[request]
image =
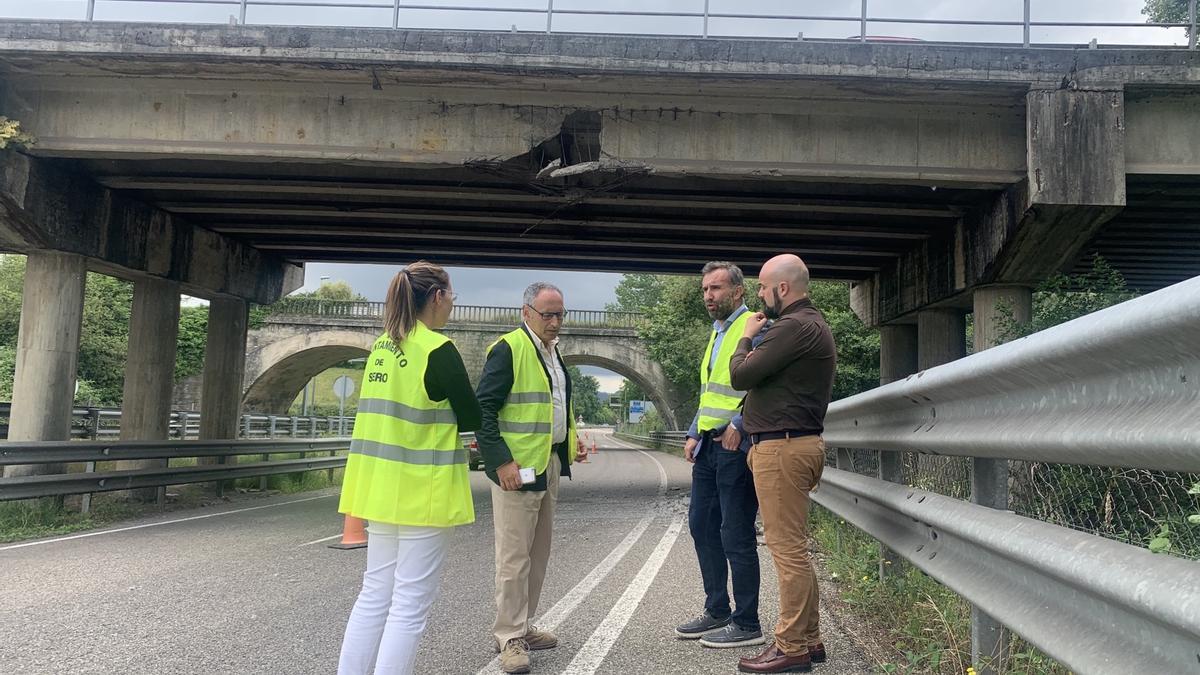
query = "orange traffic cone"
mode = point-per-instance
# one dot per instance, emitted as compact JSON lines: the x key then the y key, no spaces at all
{"x":354,"y":533}
{"x":594,"y":447}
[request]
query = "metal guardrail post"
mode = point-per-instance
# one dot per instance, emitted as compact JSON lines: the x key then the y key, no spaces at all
{"x":706,"y":18}
{"x":262,"y":481}
{"x":94,"y":423}
{"x":312,"y":427}
{"x":246,"y":426}
{"x":549,"y":15}
{"x":1192,"y":24}
{"x":862,"y":24}
{"x":242,"y":14}
{"x":396,"y":15}
{"x":91,"y":10}
{"x":1025,"y":23}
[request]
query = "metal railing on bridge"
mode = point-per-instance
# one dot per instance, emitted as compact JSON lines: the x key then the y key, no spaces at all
{"x":1110,"y":398}
{"x":462,"y":314}
{"x":699,"y":19}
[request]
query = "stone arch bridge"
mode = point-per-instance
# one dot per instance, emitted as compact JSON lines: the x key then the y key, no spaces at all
{"x":301,"y":339}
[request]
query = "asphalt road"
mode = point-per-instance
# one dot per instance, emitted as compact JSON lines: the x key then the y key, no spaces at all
{"x":252,"y":587}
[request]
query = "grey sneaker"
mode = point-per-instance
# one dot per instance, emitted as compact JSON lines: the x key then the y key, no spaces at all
{"x":699,"y":626}
{"x":732,"y":635}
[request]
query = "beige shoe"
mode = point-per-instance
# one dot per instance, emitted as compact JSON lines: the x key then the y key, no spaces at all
{"x":540,"y":639}
{"x":514,"y":658}
{"x":536,"y":639}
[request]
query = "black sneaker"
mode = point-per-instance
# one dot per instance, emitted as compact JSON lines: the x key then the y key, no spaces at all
{"x":699,"y":626}
{"x":732,"y":635}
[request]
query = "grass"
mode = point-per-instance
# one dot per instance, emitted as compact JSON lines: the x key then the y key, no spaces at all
{"x":928,"y":626}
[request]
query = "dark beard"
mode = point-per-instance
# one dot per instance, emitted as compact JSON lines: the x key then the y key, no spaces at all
{"x":772,"y":311}
{"x":722,"y":311}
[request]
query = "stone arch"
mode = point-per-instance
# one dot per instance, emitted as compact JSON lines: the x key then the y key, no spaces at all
{"x":634,"y":364}
{"x":279,"y":369}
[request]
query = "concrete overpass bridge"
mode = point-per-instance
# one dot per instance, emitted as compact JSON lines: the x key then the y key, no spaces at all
{"x":217,"y":160}
{"x":303,"y":338}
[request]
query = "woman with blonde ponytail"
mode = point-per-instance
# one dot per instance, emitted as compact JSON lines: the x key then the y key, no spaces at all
{"x":407,"y":471}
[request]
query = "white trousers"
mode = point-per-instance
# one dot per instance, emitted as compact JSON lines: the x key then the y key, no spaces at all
{"x":404,"y":565}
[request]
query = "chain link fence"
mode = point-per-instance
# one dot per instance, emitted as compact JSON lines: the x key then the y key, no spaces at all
{"x":1136,"y":506}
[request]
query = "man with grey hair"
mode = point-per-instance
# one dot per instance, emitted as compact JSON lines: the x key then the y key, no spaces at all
{"x":723,"y":503}
{"x":527,"y":441}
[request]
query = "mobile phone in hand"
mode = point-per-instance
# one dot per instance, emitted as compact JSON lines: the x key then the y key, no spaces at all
{"x":527,"y":475}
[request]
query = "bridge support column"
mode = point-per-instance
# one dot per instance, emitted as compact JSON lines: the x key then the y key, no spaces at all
{"x":47,"y":353}
{"x":942,"y":337}
{"x":150,"y":370}
{"x":897,"y":360}
{"x":224,"y":367}
{"x":989,"y":477}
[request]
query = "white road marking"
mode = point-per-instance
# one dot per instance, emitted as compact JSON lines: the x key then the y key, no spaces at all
{"x":317,"y":541}
{"x":589,"y":658}
{"x":567,"y":604}
{"x":165,"y":522}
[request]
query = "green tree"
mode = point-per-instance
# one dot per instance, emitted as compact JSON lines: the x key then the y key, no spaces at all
{"x":193,"y":336}
{"x":1166,"y":11}
{"x":636,"y":293}
{"x":332,"y":290}
{"x":104,"y":339}
{"x":1062,"y":298}
{"x":585,"y":399}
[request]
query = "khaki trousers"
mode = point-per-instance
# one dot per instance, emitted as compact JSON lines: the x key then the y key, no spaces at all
{"x":524,"y":523}
{"x":785,"y":471}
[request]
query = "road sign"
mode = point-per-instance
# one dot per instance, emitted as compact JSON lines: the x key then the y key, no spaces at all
{"x":343,"y":387}
{"x":636,"y":410}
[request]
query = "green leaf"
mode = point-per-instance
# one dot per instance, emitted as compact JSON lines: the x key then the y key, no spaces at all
{"x":1194,"y":519}
{"x":1194,"y":490}
{"x":1160,"y":545}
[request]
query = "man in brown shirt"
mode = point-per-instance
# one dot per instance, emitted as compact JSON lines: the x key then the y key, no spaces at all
{"x":789,"y":380}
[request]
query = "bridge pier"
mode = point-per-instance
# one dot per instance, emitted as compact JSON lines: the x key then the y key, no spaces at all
{"x":989,"y":477}
{"x":898,"y":346}
{"x":224,"y":366}
{"x":150,"y":370}
{"x":47,"y":353}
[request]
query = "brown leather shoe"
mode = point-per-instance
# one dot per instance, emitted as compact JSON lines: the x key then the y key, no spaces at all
{"x":817,"y":653}
{"x":774,"y":661}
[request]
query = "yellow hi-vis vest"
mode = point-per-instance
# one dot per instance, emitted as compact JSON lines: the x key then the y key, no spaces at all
{"x":407,"y":465}
{"x":526,"y":419}
{"x":718,"y":399}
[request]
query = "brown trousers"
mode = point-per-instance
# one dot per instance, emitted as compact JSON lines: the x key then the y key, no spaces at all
{"x":785,"y":471}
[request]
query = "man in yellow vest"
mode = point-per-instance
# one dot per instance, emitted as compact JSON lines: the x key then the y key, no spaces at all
{"x":527,"y":440}
{"x":723,"y":505}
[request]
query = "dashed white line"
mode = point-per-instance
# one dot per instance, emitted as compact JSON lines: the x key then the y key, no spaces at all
{"x":165,"y":522}
{"x":589,"y":658}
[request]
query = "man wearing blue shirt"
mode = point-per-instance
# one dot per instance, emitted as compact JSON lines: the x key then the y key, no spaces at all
{"x":723,"y":506}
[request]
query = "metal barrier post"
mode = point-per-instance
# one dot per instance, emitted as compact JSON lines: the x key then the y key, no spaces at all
{"x":706,"y":18}
{"x":91,"y":10}
{"x":1025,"y":23}
{"x":396,"y":14}
{"x":1192,"y":24}
{"x":862,"y":25}
{"x":549,"y":15}
{"x":242,"y":14}
{"x":262,"y":481}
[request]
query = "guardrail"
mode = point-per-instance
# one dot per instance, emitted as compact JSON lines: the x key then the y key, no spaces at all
{"x":658,"y":440}
{"x":90,"y":454}
{"x":699,"y":20}
{"x":1118,"y":388}
{"x":473,"y":314}
{"x":86,"y":482}
{"x":100,"y":423}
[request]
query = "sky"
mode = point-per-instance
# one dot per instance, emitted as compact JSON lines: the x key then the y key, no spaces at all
{"x":592,"y":290}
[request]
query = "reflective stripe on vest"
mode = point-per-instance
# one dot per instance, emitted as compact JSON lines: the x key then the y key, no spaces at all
{"x":406,"y":464}
{"x":526,"y":419}
{"x":719,"y":401}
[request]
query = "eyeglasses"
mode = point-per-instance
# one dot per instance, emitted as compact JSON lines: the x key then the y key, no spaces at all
{"x":453,"y":296}
{"x":547,"y":316}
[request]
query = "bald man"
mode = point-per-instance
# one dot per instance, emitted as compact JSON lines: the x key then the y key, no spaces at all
{"x":789,"y":380}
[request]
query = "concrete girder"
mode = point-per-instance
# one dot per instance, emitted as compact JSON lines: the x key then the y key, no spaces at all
{"x":45,"y":208}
